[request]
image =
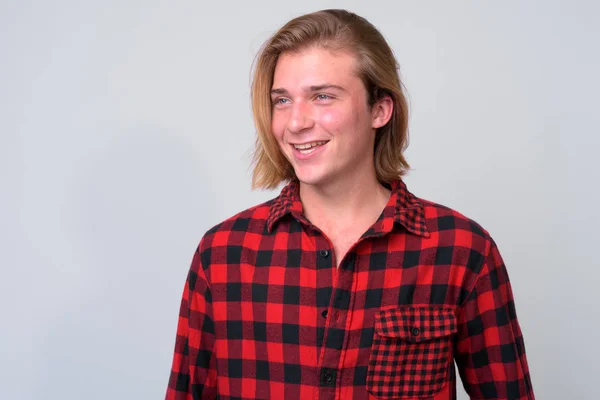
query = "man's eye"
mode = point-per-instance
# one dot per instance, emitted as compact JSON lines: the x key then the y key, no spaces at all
{"x":323,"y":97}
{"x":279,"y":101}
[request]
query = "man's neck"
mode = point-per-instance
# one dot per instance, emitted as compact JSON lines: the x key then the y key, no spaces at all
{"x":355,"y":201}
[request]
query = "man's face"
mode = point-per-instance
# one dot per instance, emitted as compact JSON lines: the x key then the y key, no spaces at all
{"x":318,"y":98}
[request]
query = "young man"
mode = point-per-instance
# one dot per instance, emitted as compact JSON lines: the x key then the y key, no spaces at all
{"x":346,"y":285}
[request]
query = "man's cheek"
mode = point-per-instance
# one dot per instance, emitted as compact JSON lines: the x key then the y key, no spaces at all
{"x":331,"y":117}
{"x":277,"y":128}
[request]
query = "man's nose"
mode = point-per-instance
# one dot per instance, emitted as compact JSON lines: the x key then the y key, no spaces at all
{"x":301,"y":117}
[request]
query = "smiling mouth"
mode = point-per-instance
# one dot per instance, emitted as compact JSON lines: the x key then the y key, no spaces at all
{"x":308,"y":148}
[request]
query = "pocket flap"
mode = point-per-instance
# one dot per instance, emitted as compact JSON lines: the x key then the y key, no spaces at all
{"x":416,"y":324}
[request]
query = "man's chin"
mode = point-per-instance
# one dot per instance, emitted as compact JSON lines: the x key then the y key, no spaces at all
{"x":313,"y":179}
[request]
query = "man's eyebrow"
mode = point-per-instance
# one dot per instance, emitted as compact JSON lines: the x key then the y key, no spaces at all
{"x":324,"y":86}
{"x":314,"y":88}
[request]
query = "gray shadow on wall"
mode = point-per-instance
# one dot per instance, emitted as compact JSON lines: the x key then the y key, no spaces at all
{"x":135,"y":212}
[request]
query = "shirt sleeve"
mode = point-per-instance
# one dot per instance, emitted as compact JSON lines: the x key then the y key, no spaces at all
{"x":193,"y":372}
{"x":489,"y":350}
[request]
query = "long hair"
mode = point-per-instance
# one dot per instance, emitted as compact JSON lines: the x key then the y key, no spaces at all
{"x":377,"y":68}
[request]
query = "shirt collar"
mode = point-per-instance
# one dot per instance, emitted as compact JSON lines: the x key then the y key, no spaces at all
{"x":403,"y":207}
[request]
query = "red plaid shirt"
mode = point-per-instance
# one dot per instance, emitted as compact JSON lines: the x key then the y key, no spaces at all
{"x":266,"y":314}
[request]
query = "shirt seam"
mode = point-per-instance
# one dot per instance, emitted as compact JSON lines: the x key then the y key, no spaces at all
{"x":480,"y":273}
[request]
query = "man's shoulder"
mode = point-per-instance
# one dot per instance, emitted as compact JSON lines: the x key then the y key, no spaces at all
{"x":450,"y":228}
{"x":252,"y":220}
{"x":440,"y":217}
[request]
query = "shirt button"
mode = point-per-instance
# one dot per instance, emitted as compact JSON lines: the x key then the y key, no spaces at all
{"x":324,"y":253}
{"x":415,"y":331}
{"x":324,"y":313}
{"x":328,"y":377}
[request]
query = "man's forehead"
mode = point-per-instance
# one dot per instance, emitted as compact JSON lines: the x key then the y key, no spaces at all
{"x":313,"y":69}
{"x":315,"y":58}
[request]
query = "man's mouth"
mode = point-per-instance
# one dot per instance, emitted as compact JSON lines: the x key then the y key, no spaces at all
{"x":308,"y":148}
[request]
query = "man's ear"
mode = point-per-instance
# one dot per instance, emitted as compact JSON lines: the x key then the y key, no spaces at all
{"x":381,"y":112}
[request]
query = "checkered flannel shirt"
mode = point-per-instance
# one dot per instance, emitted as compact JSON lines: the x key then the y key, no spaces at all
{"x":266,"y":314}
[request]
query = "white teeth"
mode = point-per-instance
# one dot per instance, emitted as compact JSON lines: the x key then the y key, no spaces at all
{"x":308,"y":145}
{"x":307,"y":151}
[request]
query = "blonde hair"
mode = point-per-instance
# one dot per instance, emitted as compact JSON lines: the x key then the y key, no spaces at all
{"x":377,"y":68}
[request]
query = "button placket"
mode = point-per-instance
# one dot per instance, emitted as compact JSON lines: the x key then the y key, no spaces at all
{"x":335,"y":336}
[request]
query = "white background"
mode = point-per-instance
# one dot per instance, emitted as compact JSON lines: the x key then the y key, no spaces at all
{"x":126,"y":132}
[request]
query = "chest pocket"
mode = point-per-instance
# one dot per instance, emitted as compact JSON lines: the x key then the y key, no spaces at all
{"x":411,"y":352}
